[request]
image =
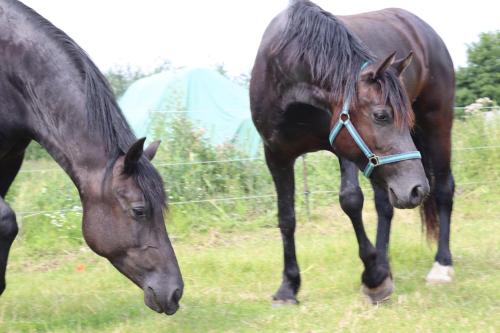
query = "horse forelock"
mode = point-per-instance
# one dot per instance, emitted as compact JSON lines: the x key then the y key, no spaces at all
{"x":394,"y":94}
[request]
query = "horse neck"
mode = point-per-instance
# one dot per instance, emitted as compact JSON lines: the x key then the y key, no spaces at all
{"x":46,"y":92}
{"x":60,"y":125}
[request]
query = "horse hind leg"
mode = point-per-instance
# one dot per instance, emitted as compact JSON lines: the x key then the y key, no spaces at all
{"x":8,"y":224}
{"x":435,"y":146}
{"x":442,"y":270}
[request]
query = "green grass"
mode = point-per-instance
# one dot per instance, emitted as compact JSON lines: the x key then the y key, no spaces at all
{"x":230,"y":277}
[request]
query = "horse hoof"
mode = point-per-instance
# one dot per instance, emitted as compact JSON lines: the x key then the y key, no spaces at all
{"x":380,"y":293}
{"x":277,"y":303}
{"x":440,"y":274}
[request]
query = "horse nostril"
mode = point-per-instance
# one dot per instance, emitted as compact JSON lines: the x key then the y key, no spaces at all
{"x":176,"y":296}
{"x":417,"y":193}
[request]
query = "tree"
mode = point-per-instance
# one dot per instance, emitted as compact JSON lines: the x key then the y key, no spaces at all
{"x":481,"y":76}
{"x":120,"y":78}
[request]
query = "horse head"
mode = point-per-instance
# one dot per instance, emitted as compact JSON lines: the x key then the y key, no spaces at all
{"x":123,"y":221}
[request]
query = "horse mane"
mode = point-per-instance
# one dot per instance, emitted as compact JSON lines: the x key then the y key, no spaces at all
{"x":104,"y":116}
{"x":334,"y":57}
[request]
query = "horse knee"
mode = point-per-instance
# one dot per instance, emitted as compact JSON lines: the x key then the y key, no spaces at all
{"x":384,"y":209}
{"x":444,"y":191}
{"x":351,"y":199}
{"x":287,"y":224}
{"x":8,"y":224}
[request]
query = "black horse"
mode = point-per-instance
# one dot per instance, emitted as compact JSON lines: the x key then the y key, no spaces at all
{"x":51,"y":92}
{"x":315,"y":74}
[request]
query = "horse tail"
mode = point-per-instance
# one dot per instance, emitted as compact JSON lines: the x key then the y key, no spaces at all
{"x":429,"y":216}
{"x":428,"y":210}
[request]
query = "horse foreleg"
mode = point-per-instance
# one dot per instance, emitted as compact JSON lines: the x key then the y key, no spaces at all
{"x":8,"y":232}
{"x":376,"y":278}
{"x":385,"y":212}
{"x":283,"y":176}
{"x":8,"y":225}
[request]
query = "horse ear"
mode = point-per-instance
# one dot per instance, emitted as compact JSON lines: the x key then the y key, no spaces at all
{"x":377,"y":69}
{"x":133,"y":155}
{"x":150,"y":152}
{"x":401,"y":64}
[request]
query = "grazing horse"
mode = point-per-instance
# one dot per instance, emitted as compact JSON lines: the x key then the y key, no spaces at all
{"x":51,"y":92}
{"x":322,"y":82}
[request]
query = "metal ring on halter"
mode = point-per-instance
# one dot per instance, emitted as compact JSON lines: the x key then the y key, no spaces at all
{"x":347,"y":115}
{"x":374,"y":160}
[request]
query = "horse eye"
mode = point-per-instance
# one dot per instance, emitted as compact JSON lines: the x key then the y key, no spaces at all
{"x":139,"y":212}
{"x":381,"y":116}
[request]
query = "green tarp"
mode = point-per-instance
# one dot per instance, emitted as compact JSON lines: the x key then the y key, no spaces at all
{"x":213,"y":103}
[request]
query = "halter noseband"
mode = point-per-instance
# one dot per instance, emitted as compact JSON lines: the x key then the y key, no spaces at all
{"x":373,"y":160}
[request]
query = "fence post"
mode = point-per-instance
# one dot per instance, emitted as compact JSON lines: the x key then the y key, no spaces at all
{"x":306,"y":187}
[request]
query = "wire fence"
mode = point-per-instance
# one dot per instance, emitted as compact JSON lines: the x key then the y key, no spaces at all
{"x":250,"y":159}
{"x":78,"y":209}
{"x":256,"y":196}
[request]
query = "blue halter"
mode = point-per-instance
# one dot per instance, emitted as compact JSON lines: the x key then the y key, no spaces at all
{"x":373,"y":160}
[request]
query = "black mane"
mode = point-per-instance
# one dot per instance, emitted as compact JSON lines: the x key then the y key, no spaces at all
{"x":334,"y":56}
{"x":104,"y":116}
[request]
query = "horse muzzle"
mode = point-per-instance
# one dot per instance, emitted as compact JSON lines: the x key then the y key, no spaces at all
{"x":163,"y":299}
{"x":409,"y":195}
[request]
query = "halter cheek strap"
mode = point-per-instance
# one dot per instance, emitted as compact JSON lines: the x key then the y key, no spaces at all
{"x":373,"y":160}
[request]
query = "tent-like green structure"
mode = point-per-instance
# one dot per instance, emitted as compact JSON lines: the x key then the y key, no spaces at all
{"x":211,"y":101}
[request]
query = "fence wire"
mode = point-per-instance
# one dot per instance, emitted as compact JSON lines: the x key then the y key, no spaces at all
{"x":257,"y":196}
{"x":237,"y":160}
{"x":78,"y":209}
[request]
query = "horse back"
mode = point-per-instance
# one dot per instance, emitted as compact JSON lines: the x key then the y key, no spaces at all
{"x":395,"y":29}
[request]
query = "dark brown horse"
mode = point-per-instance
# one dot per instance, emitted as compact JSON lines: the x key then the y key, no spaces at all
{"x":316,"y":73}
{"x":51,"y":92}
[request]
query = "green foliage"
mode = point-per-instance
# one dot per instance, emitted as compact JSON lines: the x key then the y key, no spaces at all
{"x":481,"y":77}
{"x":183,"y":146}
{"x":221,"y":68}
{"x":120,"y":78}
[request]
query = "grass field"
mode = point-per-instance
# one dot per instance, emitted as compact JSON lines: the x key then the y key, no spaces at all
{"x":230,"y":277}
{"x":230,"y":254}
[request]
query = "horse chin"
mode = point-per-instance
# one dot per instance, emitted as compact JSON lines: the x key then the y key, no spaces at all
{"x":394,"y":200}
